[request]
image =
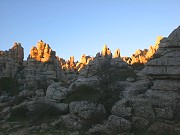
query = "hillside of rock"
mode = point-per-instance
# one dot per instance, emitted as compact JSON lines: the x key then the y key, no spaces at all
{"x":102,"y":95}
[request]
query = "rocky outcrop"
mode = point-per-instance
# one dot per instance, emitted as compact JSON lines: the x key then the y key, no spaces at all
{"x":86,"y":110}
{"x":103,"y":61}
{"x":117,"y":53}
{"x":143,"y":56}
{"x":70,"y":65}
{"x":42,"y":68}
{"x":11,"y":60}
{"x":106,"y":52}
{"x":16,"y":53}
{"x":153,"y":101}
{"x":101,"y":95}
{"x":163,"y":70}
{"x":42,"y":52}
{"x":56,"y":92}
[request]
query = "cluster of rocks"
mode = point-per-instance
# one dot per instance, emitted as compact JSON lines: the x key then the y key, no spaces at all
{"x":143,"y":56}
{"x":146,"y":100}
{"x":11,"y":60}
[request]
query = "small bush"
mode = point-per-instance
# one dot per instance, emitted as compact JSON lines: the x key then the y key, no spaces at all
{"x":19,"y":100}
{"x":8,"y":84}
{"x":82,"y":93}
{"x":113,"y":75}
{"x":43,"y":111}
{"x":18,"y":114}
{"x":138,"y":66}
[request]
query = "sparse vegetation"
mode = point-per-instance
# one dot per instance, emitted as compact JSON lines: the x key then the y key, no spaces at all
{"x":43,"y":112}
{"x":82,"y":93}
{"x":137,"y":66}
{"x":8,"y":84}
{"x":18,"y":114}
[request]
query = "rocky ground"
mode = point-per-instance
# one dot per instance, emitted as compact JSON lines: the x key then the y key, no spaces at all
{"x":104,"y":95}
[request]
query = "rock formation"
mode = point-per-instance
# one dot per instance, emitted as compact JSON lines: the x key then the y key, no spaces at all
{"x":11,"y":60}
{"x":143,"y":56}
{"x":117,"y":53}
{"x":101,"y":95}
{"x":42,"y":67}
{"x":42,"y":52}
{"x":106,"y":52}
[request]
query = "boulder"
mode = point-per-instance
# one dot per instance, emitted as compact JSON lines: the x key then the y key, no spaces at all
{"x":164,"y":113}
{"x":122,"y":108}
{"x":56,"y":92}
{"x":145,"y":112}
{"x":90,"y":81}
{"x":26,"y":93}
{"x":159,"y":128}
{"x":140,"y":123}
{"x":87,"y":111}
{"x":166,"y":85}
{"x":71,"y":121}
{"x":118,"y":124}
{"x":40,"y":93}
{"x":162,"y":98}
{"x":136,"y":88}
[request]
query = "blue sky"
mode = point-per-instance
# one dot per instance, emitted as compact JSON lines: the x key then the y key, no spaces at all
{"x":74,"y":27}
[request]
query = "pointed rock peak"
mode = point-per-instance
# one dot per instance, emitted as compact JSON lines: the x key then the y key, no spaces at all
{"x":42,"y":52}
{"x":105,"y":46}
{"x":117,"y":53}
{"x":174,"y":37}
{"x":83,"y":59}
{"x":71,"y":59}
{"x":17,"y":44}
{"x":16,"y":53}
{"x":106,"y":52}
{"x":158,"y":39}
{"x":40,"y":41}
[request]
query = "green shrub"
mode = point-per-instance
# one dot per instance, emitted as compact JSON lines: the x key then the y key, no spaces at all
{"x":82,"y":93}
{"x":113,"y":75}
{"x":138,"y":66}
{"x":8,"y":84}
{"x":19,"y":100}
{"x":18,"y":114}
{"x":43,"y":111}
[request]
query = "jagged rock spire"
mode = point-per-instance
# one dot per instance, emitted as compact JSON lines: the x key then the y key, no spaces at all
{"x":106,"y":52}
{"x":117,"y":53}
{"x":42,"y":52}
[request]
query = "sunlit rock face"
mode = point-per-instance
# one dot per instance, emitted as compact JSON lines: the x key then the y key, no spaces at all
{"x":42,"y":52}
{"x":69,"y":65}
{"x":143,"y":56}
{"x":16,"y":53}
{"x":43,"y":67}
{"x":11,"y":60}
{"x":117,"y":53}
{"x":106,"y":52}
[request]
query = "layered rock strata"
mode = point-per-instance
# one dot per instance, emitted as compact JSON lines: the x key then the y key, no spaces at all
{"x":11,"y":60}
